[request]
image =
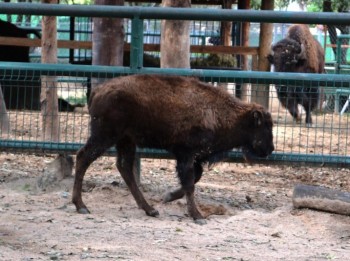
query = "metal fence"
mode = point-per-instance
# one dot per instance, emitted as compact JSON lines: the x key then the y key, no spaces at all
{"x":326,"y":142}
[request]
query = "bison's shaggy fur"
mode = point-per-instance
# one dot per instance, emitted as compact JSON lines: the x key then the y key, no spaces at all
{"x":299,"y":52}
{"x":194,"y":121}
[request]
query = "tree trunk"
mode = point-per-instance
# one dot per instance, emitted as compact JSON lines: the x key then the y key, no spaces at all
{"x":4,"y":118}
{"x":245,"y":5}
{"x":226,"y":38}
{"x":226,"y":27}
{"x":175,"y":39}
{"x":260,"y":93}
{"x":327,"y":7}
{"x":108,"y":38}
{"x":48,"y":99}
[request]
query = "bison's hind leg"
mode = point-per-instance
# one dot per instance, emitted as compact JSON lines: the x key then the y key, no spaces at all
{"x":126,"y":150}
{"x":94,"y":148}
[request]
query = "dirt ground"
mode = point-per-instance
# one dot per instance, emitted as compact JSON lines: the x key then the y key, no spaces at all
{"x":249,"y":209}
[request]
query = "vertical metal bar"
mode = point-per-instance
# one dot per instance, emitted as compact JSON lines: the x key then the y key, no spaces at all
{"x":136,"y":62}
{"x":71,"y":37}
{"x":136,"y":48}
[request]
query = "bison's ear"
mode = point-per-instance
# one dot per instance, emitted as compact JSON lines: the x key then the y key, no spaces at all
{"x":258,"y":118}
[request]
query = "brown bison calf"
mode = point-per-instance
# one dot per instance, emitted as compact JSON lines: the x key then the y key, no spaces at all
{"x":194,"y":121}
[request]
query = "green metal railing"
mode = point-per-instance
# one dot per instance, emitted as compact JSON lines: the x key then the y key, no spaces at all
{"x":176,"y":13}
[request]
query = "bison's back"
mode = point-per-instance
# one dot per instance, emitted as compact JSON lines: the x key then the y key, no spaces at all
{"x":160,"y":108}
{"x":314,"y":51}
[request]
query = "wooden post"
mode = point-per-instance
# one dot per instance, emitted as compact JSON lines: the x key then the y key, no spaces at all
{"x":107,"y":39}
{"x":245,"y":5}
{"x":226,"y":27}
{"x":4,"y":119}
{"x":260,"y":93}
{"x":48,"y":99}
{"x":225,"y":34}
{"x":175,"y":39}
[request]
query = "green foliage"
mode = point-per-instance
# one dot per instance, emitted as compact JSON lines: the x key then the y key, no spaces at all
{"x":317,"y":5}
{"x":255,"y":4}
{"x":279,"y":4}
{"x":312,"y":5}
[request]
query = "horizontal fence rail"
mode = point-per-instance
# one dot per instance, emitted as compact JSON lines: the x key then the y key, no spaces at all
{"x":34,"y":70}
{"x":176,"y":13}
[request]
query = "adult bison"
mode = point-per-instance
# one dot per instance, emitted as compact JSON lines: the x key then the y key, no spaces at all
{"x":194,"y":121}
{"x":13,"y":53}
{"x":22,"y":92}
{"x":299,"y":52}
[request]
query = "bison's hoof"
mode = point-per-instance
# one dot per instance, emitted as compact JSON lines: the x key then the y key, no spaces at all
{"x":83,"y":211}
{"x":153,"y":213}
{"x":200,"y":221}
{"x":173,"y":195}
{"x":167,"y":197}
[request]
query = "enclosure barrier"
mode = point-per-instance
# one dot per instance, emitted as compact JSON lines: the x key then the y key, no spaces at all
{"x":20,"y":70}
{"x":260,"y":16}
{"x":324,"y":144}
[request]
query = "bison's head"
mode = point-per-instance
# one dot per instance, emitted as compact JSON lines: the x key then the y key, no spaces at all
{"x":287,"y":55}
{"x":259,"y":133}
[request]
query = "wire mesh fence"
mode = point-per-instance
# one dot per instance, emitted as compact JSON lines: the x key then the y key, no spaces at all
{"x":327,"y":137}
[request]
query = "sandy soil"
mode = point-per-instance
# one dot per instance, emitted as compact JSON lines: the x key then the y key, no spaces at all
{"x":249,"y":209}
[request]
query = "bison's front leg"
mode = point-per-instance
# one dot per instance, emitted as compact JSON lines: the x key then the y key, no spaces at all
{"x":180,"y":192}
{"x":186,"y":173}
{"x":310,"y":100}
{"x":126,"y":156}
{"x":293,"y":109}
{"x":308,"y":119}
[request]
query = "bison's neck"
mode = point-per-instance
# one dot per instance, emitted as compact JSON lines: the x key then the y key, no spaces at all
{"x":233,"y":129}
